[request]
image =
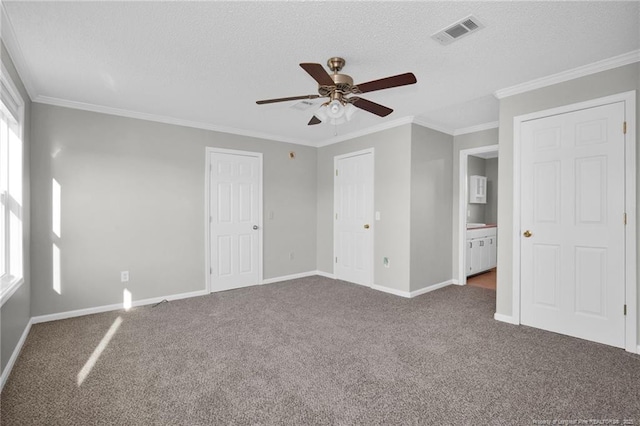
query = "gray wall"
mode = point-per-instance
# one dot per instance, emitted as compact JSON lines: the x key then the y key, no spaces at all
{"x":133,"y":199}
{"x":15,"y":313}
{"x":461,"y":142}
{"x":605,"y":83}
{"x":431,"y":207}
{"x":476,"y":166}
{"x":491,"y":208}
{"x":392,"y":176}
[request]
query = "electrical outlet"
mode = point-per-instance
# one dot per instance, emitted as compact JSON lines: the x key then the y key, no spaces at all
{"x":124,"y":276}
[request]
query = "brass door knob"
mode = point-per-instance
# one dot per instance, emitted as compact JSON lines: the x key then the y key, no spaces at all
{"x":527,"y":233}
{"x":366,"y":226}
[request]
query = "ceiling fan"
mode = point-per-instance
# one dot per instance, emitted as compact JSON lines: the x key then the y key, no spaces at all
{"x":338,"y":108}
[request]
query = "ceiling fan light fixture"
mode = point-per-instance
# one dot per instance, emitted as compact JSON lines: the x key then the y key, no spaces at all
{"x":335,"y":109}
{"x":344,"y":113}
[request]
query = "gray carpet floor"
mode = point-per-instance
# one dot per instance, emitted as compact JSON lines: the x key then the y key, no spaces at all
{"x":316,"y":351}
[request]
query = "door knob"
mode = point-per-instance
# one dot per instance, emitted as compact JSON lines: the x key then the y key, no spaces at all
{"x":366,"y":226}
{"x":255,"y":227}
{"x":527,"y":233}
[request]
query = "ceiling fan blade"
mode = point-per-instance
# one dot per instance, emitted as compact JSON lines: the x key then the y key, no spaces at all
{"x":293,"y":98}
{"x":314,"y":120}
{"x":387,"y":83}
{"x":318,"y":73}
{"x":371,"y":107}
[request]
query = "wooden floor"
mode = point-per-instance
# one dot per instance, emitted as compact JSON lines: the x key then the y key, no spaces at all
{"x":484,"y":280}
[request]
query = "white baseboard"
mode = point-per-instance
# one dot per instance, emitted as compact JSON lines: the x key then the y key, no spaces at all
{"x":430,"y":288}
{"x":414,"y":293}
{"x":505,"y":318}
{"x":455,"y":282}
{"x":290,"y":277}
{"x":638,"y":350}
{"x":14,"y":355}
{"x":393,"y":291}
{"x":114,"y":307}
{"x":326,"y":274}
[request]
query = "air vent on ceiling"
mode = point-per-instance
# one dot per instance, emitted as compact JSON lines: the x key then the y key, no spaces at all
{"x":303,"y":105}
{"x":458,"y":30}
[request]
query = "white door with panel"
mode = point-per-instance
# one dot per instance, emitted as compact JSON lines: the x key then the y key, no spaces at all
{"x":235,"y":220}
{"x":572,"y":224}
{"x":353,"y":231}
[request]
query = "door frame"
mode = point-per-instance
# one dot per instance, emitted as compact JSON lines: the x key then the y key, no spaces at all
{"x":629,"y":99}
{"x":335,"y":198}
{"x":207,"y":209}
{"x":463,"y":196}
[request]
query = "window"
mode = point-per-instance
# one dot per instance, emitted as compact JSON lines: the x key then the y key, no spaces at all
{"x":11,"y":202}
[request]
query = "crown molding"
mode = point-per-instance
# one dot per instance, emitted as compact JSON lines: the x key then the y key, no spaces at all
{"x":477,"y":128}
{"x":385,"y":126}
{"x":166,"y":120}
{"x":375,"y":129}
{"x":595,"y":67}
{"x":425,"y":123}
{"x":223,"y":129}
{"x":8,"y":37}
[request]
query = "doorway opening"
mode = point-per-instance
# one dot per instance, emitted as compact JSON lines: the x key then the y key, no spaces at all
{"x":477,"y":248}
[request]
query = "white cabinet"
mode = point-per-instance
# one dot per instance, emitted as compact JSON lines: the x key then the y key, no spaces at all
{"x":481,"y":250}
{"x":478,"y":189}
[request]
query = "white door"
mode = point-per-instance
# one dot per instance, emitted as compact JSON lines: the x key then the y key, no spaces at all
{"x":353,"y":232}
{"x":235,"y":220}
{"x":572,"y":224}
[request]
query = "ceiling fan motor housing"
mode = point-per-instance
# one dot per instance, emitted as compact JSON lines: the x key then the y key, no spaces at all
{"x":343,"y":86}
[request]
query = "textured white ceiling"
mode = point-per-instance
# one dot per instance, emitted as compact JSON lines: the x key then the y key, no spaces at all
{"x":208,"y":62}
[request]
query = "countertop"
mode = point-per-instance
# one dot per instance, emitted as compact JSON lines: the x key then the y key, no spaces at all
{"x":488,"y":225}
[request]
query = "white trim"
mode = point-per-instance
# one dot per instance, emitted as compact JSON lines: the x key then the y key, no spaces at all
{"x":477,"y":128}
{"x":430,"y":288}
{"x":515,"y":230}
{"x":638,"y":350}
{"x":249,"y":133}
{"x":289,"y":277}
{"x":505,"y":318}
{"x":385,"y":126}
{"x":114,"y":307}
{"x":455,"y":282}
{"x":367,"y":151}
{"x":595,"y":67}
{"x":410,"y":294}
{"x":10,"y":291}
{"x":8,"y":35}
{"x":207,"y":200}
{"x":15,"y":97}
{"x":14,"y":356}
{"x":462,"y":206}
{"x":390,"y":290}
{"x":629,"y":99}
{"x":326,"y":274}
{"x":429,"y":125}
{"x":374,"y":129}
{"x":166,"y":120}
{"x":631,"y":326}
{"x":231,"y":130}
